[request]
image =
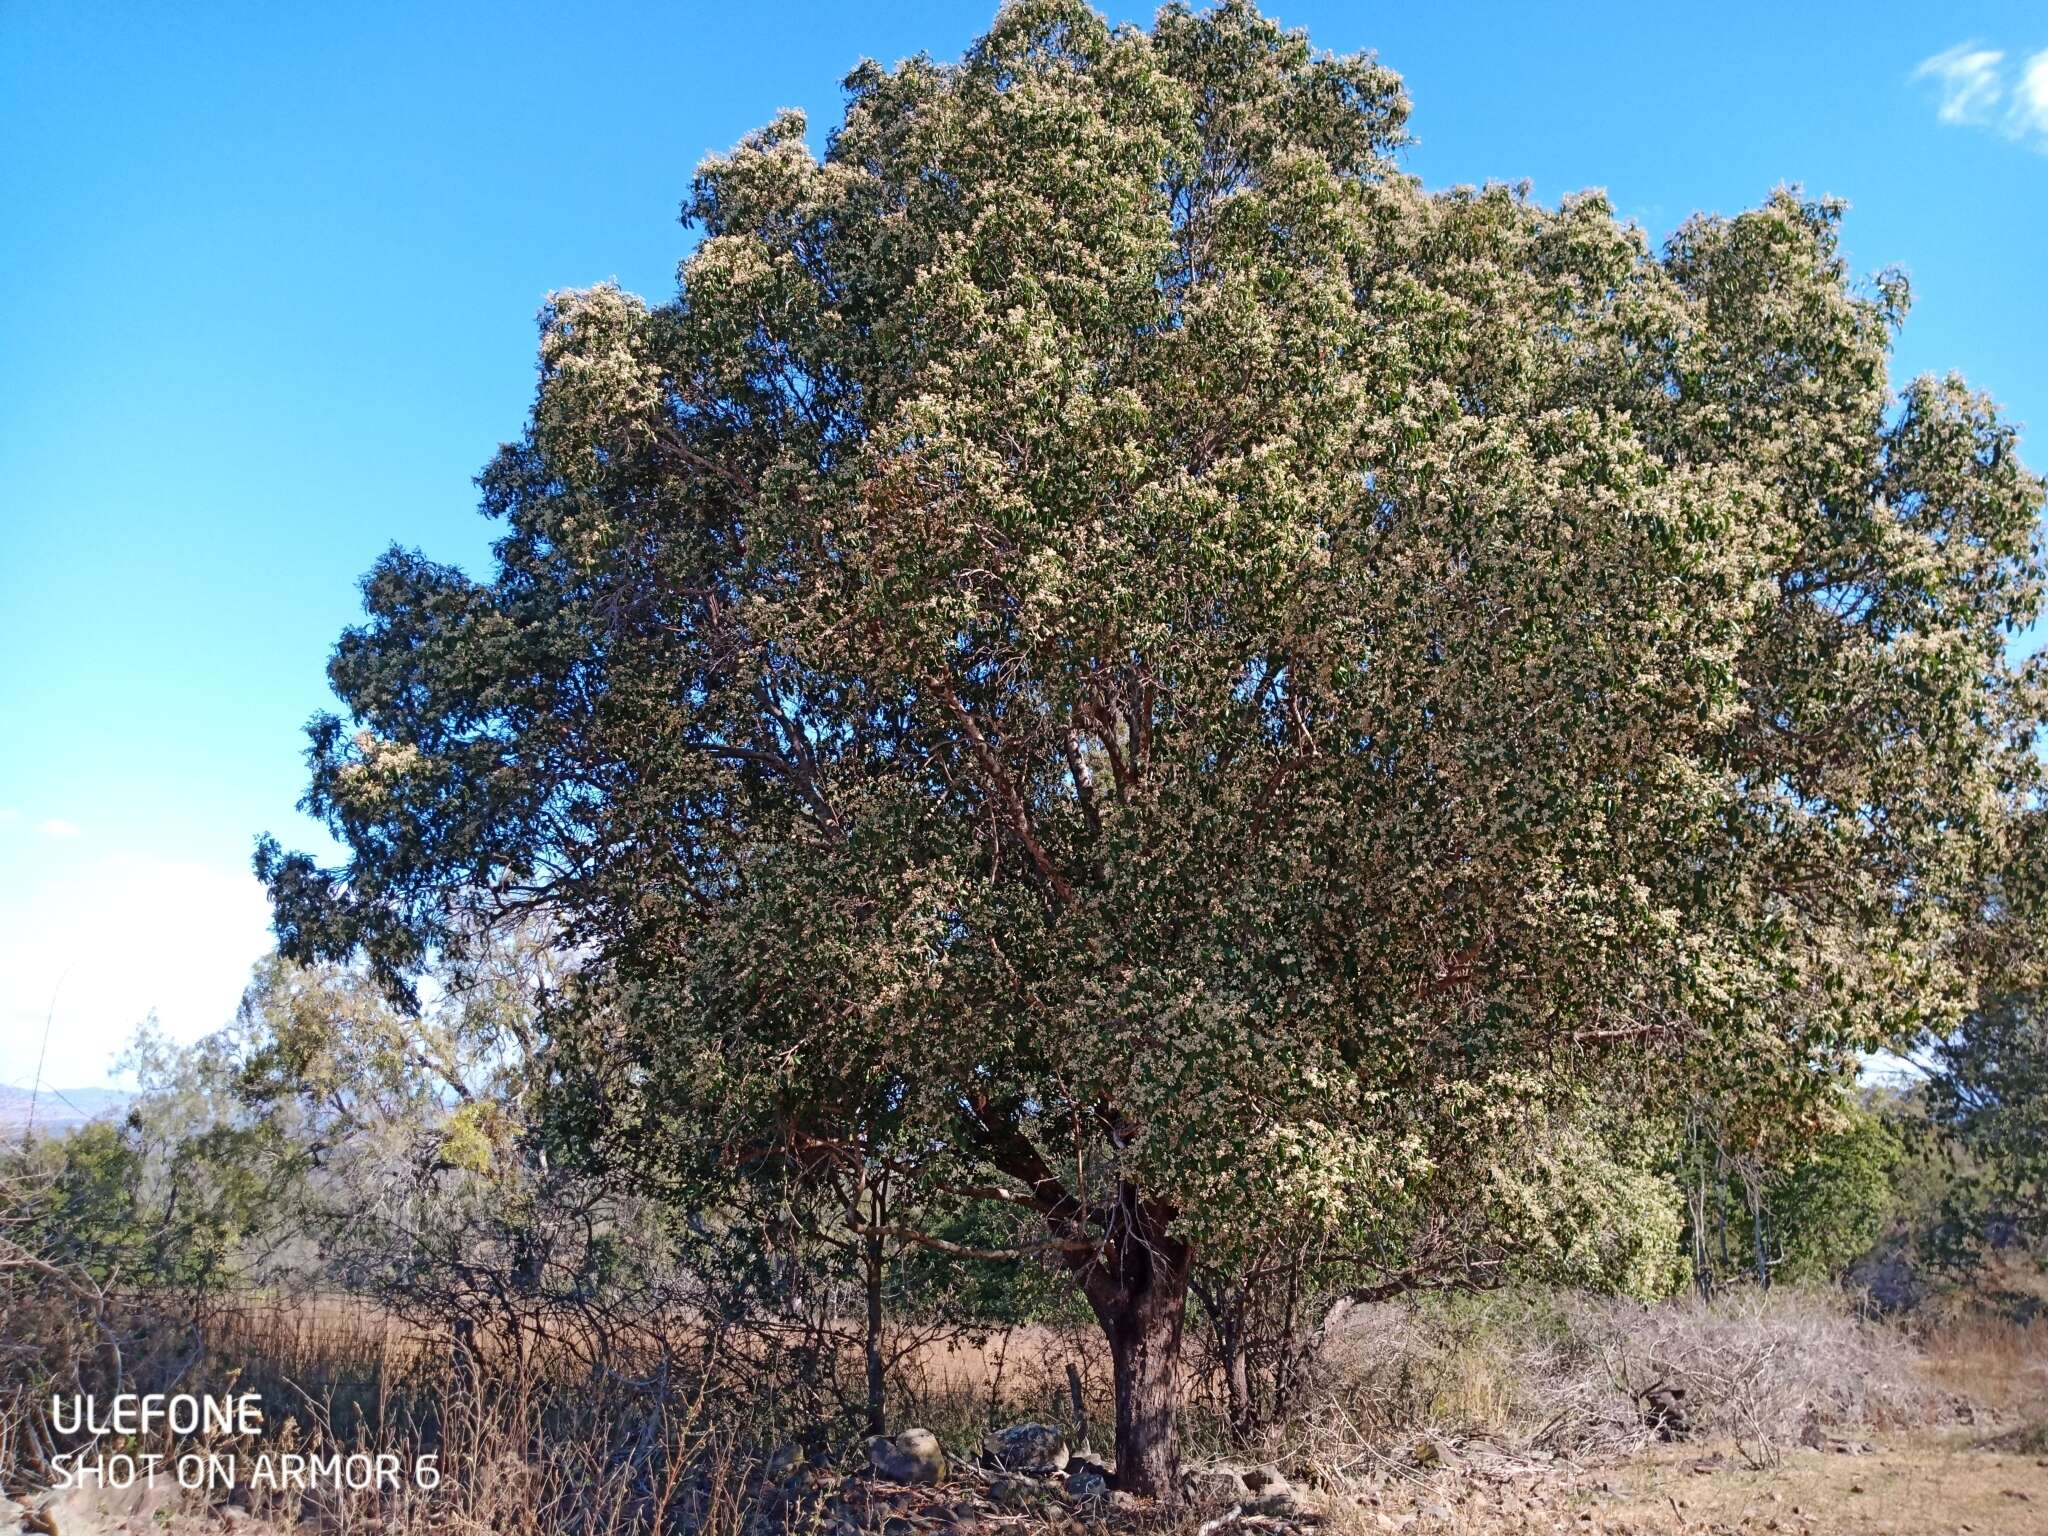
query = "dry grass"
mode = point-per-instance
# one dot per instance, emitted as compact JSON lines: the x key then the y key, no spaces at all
{"x":1992,"y":1361}
{"x":1516,"y":1414}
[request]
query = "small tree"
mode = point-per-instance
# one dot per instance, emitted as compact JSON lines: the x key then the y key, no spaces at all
{"x":1831,"y":1207}
{"x":1109,"y":653}
{"x":1988,"y":1094}
{"x":1806,"y":1197}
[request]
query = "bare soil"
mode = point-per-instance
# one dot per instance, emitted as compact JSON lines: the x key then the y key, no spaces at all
{"x":1955,"y":1482}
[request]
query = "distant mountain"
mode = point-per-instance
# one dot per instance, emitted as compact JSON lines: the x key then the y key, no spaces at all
{"x":59,"y":1109}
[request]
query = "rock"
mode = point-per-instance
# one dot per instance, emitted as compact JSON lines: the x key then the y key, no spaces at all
{"x":1267,"y":1478}
{"x":1217,"y":1485}
{"x":923,"y":1446}
{"x":1009,"y":1493}
{"x":1086,"y":1485}
{"x":1038,"y":1449}
{"x":915,"y":1456}
{"x":1286,"y":1503}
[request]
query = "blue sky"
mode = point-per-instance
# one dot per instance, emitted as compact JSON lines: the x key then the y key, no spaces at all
{"x":271,"y":276}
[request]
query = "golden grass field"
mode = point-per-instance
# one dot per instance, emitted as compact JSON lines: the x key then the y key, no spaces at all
{"x":1456,"y":1455}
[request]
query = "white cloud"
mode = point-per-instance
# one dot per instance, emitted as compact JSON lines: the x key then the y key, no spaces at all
{"x":2029,"y":118}
{"x":57,"y":827}
{"x":1968,"y":80}
{"x":94,"y":949}
{"x":1975,"y":88}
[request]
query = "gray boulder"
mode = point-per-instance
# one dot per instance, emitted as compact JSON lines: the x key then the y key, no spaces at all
{"x":1265,"y":1479}
{"x":1085,"y":1484}
{"x":1216,"y":1485}
{"x":1286,"y":1503}
{"x":915,"y":1456}
{"x":1037,"y":1449}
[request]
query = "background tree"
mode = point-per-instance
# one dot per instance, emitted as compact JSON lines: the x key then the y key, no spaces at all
{"x":179,"y":1199}
{"x":1781,"y":1198}
{"x":1988,"y":1092}
{"x":1109,"y":652}
{"x":1832,"y":1206}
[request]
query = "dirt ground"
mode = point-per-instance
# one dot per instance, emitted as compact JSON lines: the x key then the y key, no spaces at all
{"x":1922,"y":1485}
{"x":1962,"y":1482}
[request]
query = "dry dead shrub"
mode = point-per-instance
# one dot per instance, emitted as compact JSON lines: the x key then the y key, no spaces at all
{"x":1388,"y":1368}
{"x":1760,"y":1366}
{"x":1541,"y":1376}
{"x":1508,"y":1368}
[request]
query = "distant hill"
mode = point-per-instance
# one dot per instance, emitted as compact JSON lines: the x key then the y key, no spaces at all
{"x":59,"y":1109}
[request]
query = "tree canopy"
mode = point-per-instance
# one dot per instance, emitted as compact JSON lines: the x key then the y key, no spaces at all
{"x":1112,"y":651}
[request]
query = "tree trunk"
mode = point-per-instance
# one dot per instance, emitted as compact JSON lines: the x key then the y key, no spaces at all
{"x":1702,"y":1259}
{"x":1756,"y":1231}
{"x":1227,"y":1308}
{"x":1237,"y":1388}
{"x":872,"y":1272}
{"x":1139,"y":1291}
{"x":1144,"y":1348}
{"x":1291,"y":1349}
{"x":464,"y":1356}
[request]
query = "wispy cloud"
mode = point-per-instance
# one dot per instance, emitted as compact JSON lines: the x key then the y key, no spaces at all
{"x":1967,"y":78}
{"x":8,"y":813}
{"x":58,"y":827}
{"x":2030,"y":99}
{"x":1980,"y":87}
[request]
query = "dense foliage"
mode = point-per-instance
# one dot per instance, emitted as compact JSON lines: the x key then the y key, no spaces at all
{"x":1108,"y":653}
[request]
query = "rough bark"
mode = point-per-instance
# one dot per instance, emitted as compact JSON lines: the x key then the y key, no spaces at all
{"x":1227,"y":1309}
{"x":1237,"y":1385}
{"x":872,"y":1271}
{"x":1136,"y":1281}
{"x":1139,"y":1288}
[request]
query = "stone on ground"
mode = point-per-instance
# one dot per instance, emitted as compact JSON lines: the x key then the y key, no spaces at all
{"x":1216,"y":1485}
{"x":1038,"y":1449}
{"x":914,"y":1456}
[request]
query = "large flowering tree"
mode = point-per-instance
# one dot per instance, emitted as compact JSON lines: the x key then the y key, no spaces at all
{"x":1110,"y":653}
